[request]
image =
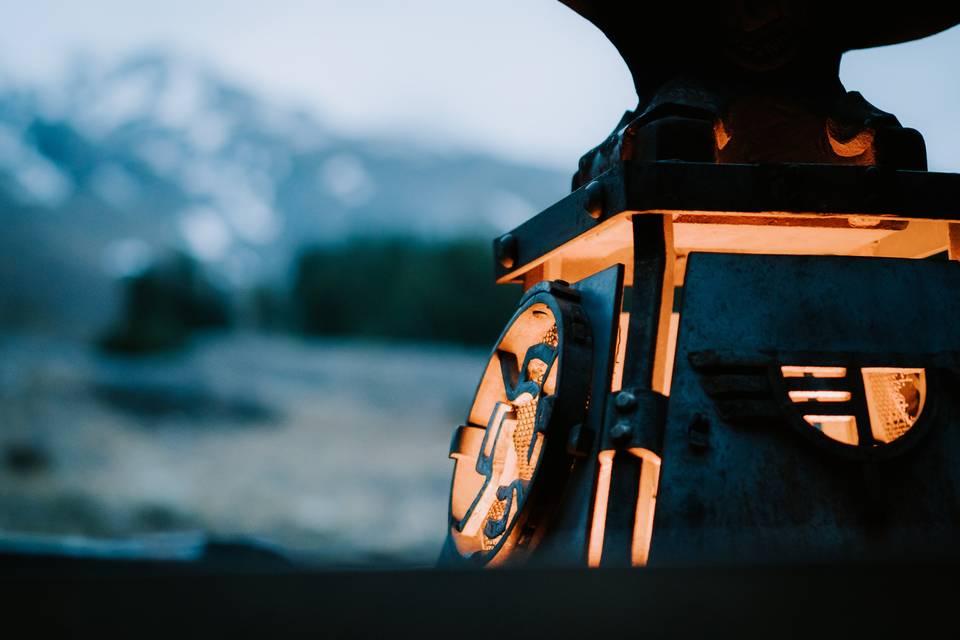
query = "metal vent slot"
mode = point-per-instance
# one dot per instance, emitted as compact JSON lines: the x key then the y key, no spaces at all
{"x":894,"y":399}
{"x":826,"y":393}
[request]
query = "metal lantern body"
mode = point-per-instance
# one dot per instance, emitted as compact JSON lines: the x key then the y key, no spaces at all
{"x":758,"y":355}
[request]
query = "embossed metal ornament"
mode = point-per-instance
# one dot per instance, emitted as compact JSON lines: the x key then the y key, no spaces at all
{"x":516,"y":430}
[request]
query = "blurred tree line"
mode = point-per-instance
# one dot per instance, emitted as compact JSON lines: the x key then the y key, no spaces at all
{"x":402,"y":289}
{"x":164,"y":305}
{"x":386,"y":289}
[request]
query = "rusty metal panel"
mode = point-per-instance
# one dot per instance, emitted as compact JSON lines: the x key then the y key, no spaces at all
{"x":745,"y":479}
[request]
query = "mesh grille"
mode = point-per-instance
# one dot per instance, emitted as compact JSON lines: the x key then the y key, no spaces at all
{"x":523,"y":435}
{"x":895,"y":399}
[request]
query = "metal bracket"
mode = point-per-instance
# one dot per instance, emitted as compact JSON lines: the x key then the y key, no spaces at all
{"x":635,"y":419}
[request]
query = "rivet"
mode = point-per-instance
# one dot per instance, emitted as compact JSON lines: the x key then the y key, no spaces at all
{"x":505,"y":250}
{"x":594,"y":202}
{"x":625,"y":402}
{"x":621,"y":432}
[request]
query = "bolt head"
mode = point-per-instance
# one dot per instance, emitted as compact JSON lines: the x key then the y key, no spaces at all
{"x":505,"y":250}
{"x":625,"y":402}
{"x":594,"y":203}
{"x":621,"y":432}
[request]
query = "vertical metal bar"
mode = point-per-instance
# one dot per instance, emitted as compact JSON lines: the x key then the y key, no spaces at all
{"x":649,"y":268}
{"x":566,"y":541}
{"x":650,"y":257}
{"x":621,"y":510}
{"x":861,"y":411}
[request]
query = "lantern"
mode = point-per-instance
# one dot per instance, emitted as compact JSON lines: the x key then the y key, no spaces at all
{"x":739,"y":338}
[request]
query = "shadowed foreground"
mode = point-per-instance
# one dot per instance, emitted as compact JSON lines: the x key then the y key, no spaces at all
{"x":776,"y":602}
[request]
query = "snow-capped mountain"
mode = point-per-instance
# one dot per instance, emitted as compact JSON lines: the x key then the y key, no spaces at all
{"x":118,"y":164}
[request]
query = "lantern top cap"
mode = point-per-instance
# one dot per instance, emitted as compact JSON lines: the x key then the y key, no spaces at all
{"x":659,"y":39}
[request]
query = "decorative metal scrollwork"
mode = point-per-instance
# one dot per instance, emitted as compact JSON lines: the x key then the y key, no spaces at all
{"x":510,"y":456}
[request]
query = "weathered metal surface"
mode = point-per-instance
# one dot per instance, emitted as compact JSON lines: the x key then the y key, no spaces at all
{"x":758,"y":81}
{"x":637,"y":425}
{"x":744,"y":140}
{"x":504,"y":503}
{"x":745,"y":483}
{"x":565,"y":543}
{"x":585,"y":317}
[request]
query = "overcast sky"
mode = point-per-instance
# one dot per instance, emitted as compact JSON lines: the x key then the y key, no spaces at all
{"x":527,"y":79}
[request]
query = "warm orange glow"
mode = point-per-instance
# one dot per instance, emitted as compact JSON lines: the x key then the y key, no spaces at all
{"x":859,"y":146}
{"x":767,"y":232}
{"x":646,"y":506}
{"x":620,"y":353}
{"x":819,"y":396}
{"x":895,"y":399}
{"x":663,"y":376}
{"x":663,"y":355}
{"x":671,"y":353}
{"x":468,"y":483}
{"x":953,"y":239}
{"x":894,"y":396}
{"x":755,"y":232}
{"x":790,"y":371}
{"x":505,"y":465}
{"x":495,"y":463}
{"x":598,"y":525}
{"x":720,"y":134}
{"x":840,"y":428}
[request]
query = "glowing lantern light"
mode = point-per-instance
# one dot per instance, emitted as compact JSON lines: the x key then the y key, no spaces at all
{"x":734,"y":345}
{"x":493,"y":505}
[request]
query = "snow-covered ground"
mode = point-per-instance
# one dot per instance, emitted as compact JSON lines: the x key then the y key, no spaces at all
{"x":337,"y":451}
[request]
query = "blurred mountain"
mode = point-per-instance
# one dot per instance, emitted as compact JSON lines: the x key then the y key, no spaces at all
{"x":117,"y":166}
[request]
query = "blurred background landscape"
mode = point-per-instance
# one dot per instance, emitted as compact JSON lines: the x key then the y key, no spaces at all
{"x":246,"y":290}
{"x":201,"y":296}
